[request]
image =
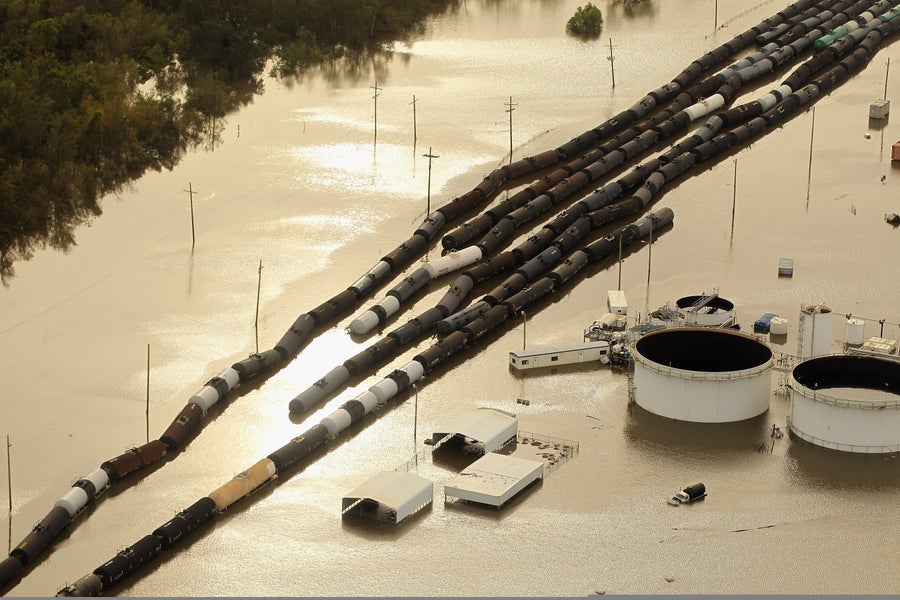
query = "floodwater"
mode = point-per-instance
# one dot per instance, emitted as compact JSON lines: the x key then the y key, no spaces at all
{"x":300,"y":185}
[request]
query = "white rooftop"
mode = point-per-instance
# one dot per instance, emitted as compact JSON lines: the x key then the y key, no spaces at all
{"x":405,"y":493}
{"x":490,"y":426}
{"x":494,"y":479}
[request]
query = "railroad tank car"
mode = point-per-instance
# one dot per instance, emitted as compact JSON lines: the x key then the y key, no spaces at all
{"x":491,"y":183}
{"x":492,"y":319}
{"x":9,"y":568}
{"x":41,"y":535}
{"x":566,"y":217}
{"x":540,"y":288}
{"x":185,"y":521}
{"x":545,"y":159}
{"x":527,"y":213}
{"x":530,"y":248}
{"x":89,"y":585}
{"x":518,"y":168}
{"x":294,"y":337}
{"x":491,"y":242}
{"x":412,"y":284}
{"x":460,"y":205}
{"x":243,"y":483}
{"x":511,"y":285}
{"x":577,"y":145}
{"x":298,"y":447}
{"x":414,"y":371}
{"x":400,"y":378}
{"x":414,"y":328}
{"x":569,"y":238}
{"x":375,"y":315}
{"x":94,"y":483}
{"x":381,"y":350}
{"x":569,"y":267}
{"x":328,"y":310}
{"x":384,"y":390}
{"x":442,"y":350}
{"x":467,"y":232}
{"x":452,"y":261}
{"x":133,"y":459}
{"x":128,"y":560}
{"x":337,"y":422}
{"x":542,"y":262}
{"x":431,"y":225}
{"x":185,"y":424}
{"x":405,"y":252}
{"x":452,"y":298}
{"x":463,"y":317}
{"x":216,"y":388}
{"x":356,"y":409}
{"x":367,"y":281}
{"x":320,"y":390}
{"x":256,"y":363}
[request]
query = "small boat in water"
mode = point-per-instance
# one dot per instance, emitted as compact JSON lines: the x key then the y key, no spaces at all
{"x":691,"y":493}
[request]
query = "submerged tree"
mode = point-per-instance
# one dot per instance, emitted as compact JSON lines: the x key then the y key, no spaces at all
{"x":587,"y":21}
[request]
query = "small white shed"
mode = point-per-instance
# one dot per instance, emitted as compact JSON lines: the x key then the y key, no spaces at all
{"x":403,"y":493}
{"x":494,"y":479}
{"x":489,"y":426}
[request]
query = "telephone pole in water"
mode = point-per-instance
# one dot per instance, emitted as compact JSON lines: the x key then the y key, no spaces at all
{"x":612,"y":63}
{"x":510,"y":110}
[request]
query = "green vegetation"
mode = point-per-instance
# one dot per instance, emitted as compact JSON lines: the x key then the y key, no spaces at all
{"x":93,"y":93}
{"x":587,"y":21}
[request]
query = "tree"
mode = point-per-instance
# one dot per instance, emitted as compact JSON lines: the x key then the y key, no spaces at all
{"x":587,"y":21}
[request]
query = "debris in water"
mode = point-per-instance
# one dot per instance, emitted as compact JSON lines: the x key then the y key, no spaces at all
{"x":670,"y":579}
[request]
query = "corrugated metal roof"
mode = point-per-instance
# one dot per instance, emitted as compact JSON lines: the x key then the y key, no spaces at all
{"x":403,"y":492}
{"x":490,"y":426}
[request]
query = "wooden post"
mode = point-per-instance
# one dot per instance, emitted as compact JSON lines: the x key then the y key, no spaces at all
{"x":9,"y":486}
{"x":510,"y":110}
{"x":191,"y":193}
{"x":375,"y":98}
{"x":734,"y":196}
{"x":429,"y":156}
{"x":886,"y":73}
{"x":649,"y":254}
{"x":147,"y":409}
{"x":612,"y":66}
{"x":256,"y":320}
{"x":716,"y":17}
{"x":415,"y":136}
{"x":524,"y":329}
{"x":812,"y":130}
{"x":620,"y":262}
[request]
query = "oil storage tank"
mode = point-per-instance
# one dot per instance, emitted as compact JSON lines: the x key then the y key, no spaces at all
{"x":702,"y":375}
{"x":847,"y":402}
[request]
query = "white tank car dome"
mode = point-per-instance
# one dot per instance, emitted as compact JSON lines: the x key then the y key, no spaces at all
{"x":702,"y":375}
{"x":847,"y":402}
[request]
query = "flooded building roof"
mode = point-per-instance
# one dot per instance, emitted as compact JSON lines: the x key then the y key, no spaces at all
{"x":402,"y":492}
{"x":494,"y":479}
{"x":489,"y":426}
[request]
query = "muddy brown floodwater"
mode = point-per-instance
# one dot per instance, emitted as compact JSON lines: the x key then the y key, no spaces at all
{"x":298,"y":184}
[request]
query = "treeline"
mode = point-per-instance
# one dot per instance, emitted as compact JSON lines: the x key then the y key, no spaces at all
{"x":95,"y":93}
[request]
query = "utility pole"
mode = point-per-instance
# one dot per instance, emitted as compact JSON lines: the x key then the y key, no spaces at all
{"x":612,"y":60}
{"x":9,"y":486}
{"x":375,"y":98}
{"x":524,"y":328}
{"x":415,"y":136}
{"x":429,"y":156}
{"x":886,"y":73}
{"x":716,"y":18}
{"x":620,"y":262}
{"x":812,"y":130}
{"x":147,"y":409}
{"x":258,"y":286}
{"x":734,"y":196}
{"x":510,"y":110}
{"x":191,"y":193}
{"x":649,"y":254}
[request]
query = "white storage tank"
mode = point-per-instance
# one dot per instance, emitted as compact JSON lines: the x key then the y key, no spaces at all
{"x":778,"y":326}
{"x":855,"y":332}
{"x":702,"y":375}
{"x":708,"y":310}
{"x":814,"y":332}
{"x":847,"y":402}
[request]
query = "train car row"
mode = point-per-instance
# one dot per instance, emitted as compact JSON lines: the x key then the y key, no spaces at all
{"x":646,"y":181}
{"x":188,"y":421}
{"x":618,"y":131}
